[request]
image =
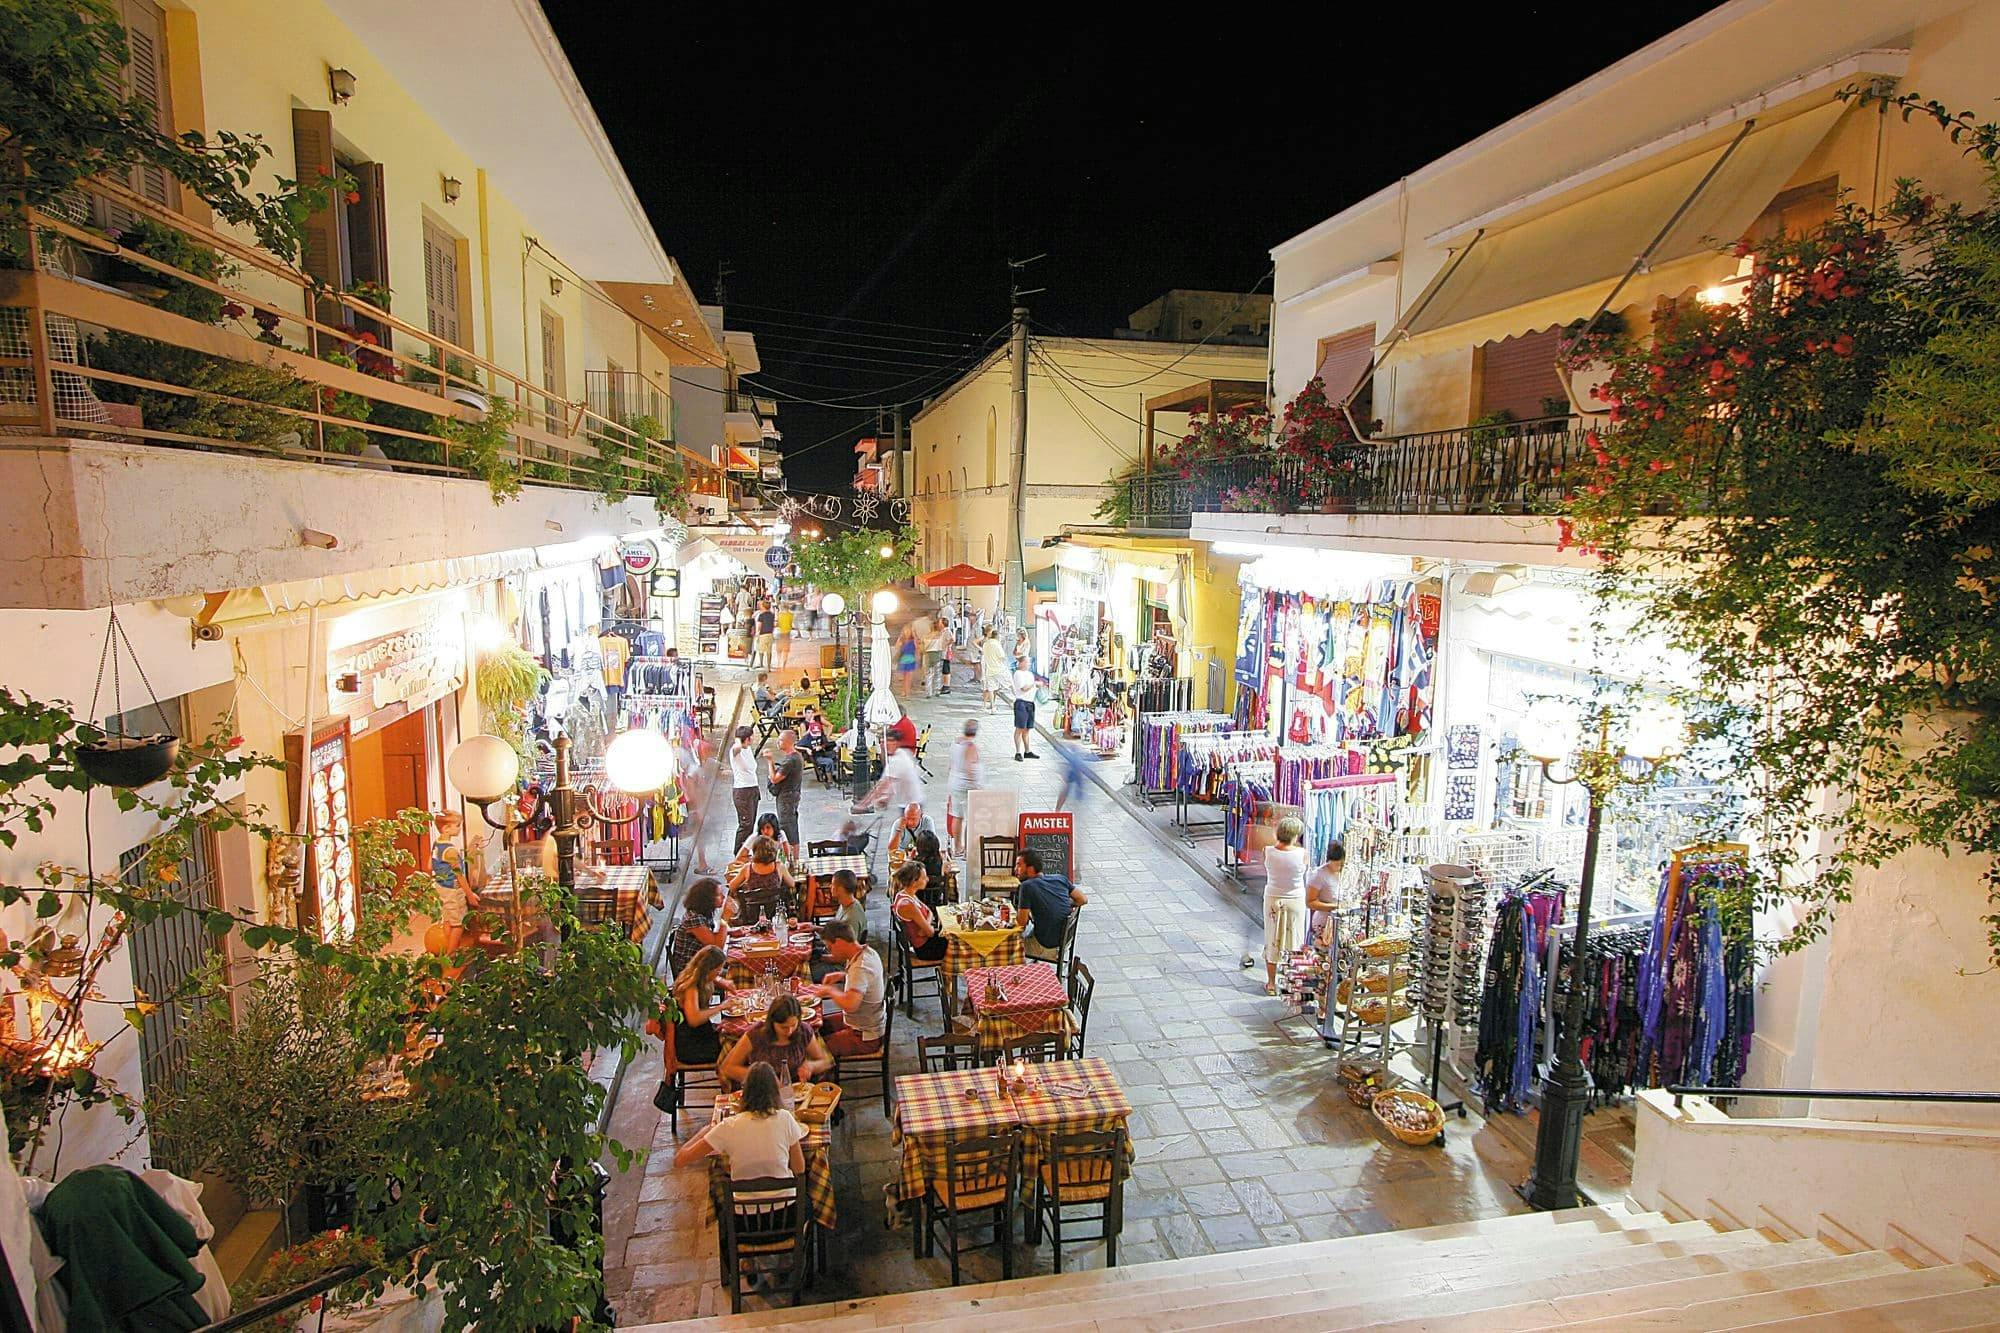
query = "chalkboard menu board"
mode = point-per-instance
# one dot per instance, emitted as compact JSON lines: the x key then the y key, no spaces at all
{"x":1053,"y":834}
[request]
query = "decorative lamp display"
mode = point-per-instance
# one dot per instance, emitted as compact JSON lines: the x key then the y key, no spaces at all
{"x":116,"y":758}
{"x":888,"y":552}
{"x":638,"y":761}
{"x":884,"y":602}
{"x":483,"y":768}
{"x":449,"y":187}
{"x":1549,"y":732}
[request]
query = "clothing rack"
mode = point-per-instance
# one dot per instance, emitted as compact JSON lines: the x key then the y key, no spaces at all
{"x":1201,"y":764}
{"x":1161,"y":698}
{"x":1156,"y":750}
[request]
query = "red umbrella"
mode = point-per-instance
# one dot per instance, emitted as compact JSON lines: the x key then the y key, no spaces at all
{"x":960,"y":576}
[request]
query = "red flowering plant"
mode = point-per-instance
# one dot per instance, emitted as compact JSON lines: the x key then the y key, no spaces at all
{"x":1800,"y":485}
{"x":1227,"y":437}
{"x":1315,"y":432}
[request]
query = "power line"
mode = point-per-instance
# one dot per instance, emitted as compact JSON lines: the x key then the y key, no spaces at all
{"x":850,"y":319}
{"x":1091,"y":425}
{"x":1220,"y":325}
{"x":885,"y":338}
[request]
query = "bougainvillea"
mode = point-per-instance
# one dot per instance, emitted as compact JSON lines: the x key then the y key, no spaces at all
{"x":1795,"y":484}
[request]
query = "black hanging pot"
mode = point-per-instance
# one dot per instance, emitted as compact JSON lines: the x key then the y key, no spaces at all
{"x":128,"y":761}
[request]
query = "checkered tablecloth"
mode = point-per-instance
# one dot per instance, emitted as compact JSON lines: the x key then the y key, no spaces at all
{"x":1066,"y":1097}
{"x":732,"y":1028}
{"x":1035,"y":1002}
{"x":818,"y":1147}
{"x":967,"y":949}
{"x":744,"y":967}
{"x":817,"y":866}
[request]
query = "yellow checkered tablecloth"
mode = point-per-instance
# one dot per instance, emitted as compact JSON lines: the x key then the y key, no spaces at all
{"x":818,"y":1147}
{"x":1066,"y":1097}
{"x":967,"y":949}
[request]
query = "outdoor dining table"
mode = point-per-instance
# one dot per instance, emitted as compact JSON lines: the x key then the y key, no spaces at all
{"x":1031,"y":1000}
{"x":750,"y":951}
{"x":732,"y":1026}
{"x":1062,"y":1097}
{"x":819,"y":872}
{"x":817,"y":1147}
{"x":966,"y":948}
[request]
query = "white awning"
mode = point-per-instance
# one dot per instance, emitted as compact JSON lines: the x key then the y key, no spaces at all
{"x":1585,"y":245}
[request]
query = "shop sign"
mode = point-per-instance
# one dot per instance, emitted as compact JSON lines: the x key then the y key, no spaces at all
{"x":747,"y":547}
{"x":778,"y":556}
{"x":639,"y":557}
{"x":665,"y":583}
{"x":1053,"y":833}
{"x":405,"y":671}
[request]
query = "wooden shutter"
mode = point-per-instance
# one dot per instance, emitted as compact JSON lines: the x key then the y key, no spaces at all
{"x":312,"y":160}
{"x":1517,"y":373}
{"x":146,"y":39}
{"x":1344,"y":359}
{"x":441,"y":284}
{"x":368,"y":227}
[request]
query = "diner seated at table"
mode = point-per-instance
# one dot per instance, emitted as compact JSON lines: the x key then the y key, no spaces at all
{"x":859,"y":994}
{"x":767,"y":827}
{"x":761,"y":883}
{"x":705,"y":912}
{"x":847,"y":904}
{"x":782,"y":1041}
{"x":913,"y":916}
{"x":698,"y":991}
{"x":1049,"y":898}
{"x":912,"y":822}
{"x":760,"y":1142}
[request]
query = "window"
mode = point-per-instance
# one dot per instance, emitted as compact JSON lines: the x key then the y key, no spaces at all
{"x":552,"y":369}
{"x":146,"y":81}
{"x":616,"y":376}
{"x":444,"y":309}
{"x":1343,"y":360}
{"x":165,"y":953}
{"x":1796,"y":212}
{"x":1517,"y":375}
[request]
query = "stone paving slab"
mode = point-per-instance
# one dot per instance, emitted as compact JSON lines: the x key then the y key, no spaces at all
{"x":1242,"y":1137}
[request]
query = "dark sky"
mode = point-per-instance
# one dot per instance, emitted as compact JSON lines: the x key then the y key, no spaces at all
{"x":882,"y":163}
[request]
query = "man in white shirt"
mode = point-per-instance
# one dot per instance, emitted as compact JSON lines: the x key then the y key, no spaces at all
{"x":743,"y":778}
{"x":902,"y":785}
{"x":1024,"y":711}
{"x":857,"y":990}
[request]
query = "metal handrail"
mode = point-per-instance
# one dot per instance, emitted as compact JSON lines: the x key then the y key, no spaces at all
{"x":290,"y":1300}
{"x":1835,"y":1095}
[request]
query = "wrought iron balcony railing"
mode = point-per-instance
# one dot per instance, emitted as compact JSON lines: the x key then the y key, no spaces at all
{"x":1516,"y":468}
{"x":286,"y":368}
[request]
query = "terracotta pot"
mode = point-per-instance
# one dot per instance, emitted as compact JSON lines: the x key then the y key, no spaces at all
{"x":1337,"y":504}
{"x":128,"y":761}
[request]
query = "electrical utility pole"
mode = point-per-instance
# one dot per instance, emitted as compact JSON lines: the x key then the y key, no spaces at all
{"x":1016,"y":580}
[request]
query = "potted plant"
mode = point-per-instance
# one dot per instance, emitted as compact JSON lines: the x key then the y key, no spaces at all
{"x":1588,"y":358}
{"x":127,"y":761}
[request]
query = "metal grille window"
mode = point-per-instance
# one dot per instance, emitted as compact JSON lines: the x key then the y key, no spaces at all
{"x":165,"y":953}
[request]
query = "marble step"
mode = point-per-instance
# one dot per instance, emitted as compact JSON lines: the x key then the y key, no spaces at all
{"x":1845,"y":1298}
{"x":1977,"y":1308}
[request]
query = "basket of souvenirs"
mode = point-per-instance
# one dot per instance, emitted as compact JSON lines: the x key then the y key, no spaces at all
{"x":1409,"y":1115}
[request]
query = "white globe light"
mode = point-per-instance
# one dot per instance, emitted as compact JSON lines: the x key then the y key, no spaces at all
{"x":1655,"y":731}
{"x":1549,"y":732}
{"x":833,"y":604}
{"x":884,"y":602}
{"x":639,"y":761}
{"x":483,"y":768}
{"x":888,"y":551}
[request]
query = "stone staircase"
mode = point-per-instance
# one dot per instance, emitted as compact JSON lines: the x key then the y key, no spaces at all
{"x":1594,"y":1268}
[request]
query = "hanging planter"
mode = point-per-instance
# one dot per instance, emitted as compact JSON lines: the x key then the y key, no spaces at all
{"x":116,"y":759}
{"x":128,"y":761}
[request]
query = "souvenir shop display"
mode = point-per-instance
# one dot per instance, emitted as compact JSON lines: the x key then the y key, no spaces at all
{"x":1157,"y":753}
{"x":1317,"y":668}
{"x":1148,"y":699}
{"x":708,"y":626}
{"x":1513,"y":996}
{"x":1611,"y":1028}
{"x":1696,"y":986}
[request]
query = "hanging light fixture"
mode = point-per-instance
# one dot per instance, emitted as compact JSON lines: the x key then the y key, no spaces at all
{"x":340,"y":84}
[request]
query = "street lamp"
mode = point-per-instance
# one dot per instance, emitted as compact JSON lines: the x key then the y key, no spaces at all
{"x":1650,"y":735}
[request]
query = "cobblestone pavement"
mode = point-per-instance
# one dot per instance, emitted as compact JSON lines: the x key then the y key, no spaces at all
{"x":1243,"y":1137}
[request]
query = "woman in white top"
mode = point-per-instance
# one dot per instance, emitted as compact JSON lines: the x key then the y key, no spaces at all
{"x":760,"y":1142}
{"x":968,"y":772}
{"x":1284,"y":898}
{"x":1331,"y":886}
{"x":992,"y":665}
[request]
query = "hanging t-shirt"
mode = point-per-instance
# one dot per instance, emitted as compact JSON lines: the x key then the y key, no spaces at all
{"x":616,"y":653}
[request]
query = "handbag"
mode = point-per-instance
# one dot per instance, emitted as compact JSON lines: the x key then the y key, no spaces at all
{"x":666,"y":1098}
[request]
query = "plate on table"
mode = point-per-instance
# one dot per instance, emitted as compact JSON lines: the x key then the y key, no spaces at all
{"x":803,"y":937}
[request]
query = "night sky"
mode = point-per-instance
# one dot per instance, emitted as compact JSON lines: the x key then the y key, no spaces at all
{"x":867,"y":172}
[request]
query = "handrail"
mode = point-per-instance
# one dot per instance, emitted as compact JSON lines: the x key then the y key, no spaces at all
{"x":288,"y":1300}
{"x":1834,"y":1095}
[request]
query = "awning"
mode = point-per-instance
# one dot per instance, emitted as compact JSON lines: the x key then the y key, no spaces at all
{"x":960,"y":576}
{"x":1583,"y":245}
{"x":1042,"y":580}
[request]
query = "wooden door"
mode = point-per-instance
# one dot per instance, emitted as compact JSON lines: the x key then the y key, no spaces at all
{"x":391,"y":775}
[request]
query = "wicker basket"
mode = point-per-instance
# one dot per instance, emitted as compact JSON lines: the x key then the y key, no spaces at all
{"x":1385,"y":946}
{"x":1408,"y":1098}
{"x":1376,"y":981}
{"x":1381,"y":1008}
{"x":1365,"y":1081}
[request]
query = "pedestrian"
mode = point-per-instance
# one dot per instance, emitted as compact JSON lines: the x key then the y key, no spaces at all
{"x":968,"y":774}
{"x":992,"y":666}
{"x":765,"y":626}
{"x":1024,"y":656}
{"x":1071,"y":755}
{"x":1284,"y":898}
{"x":901,"y":784}
{"x":1024,"y":712}
{"x":785,"y":619}
{"x":906,"y":659}
{"x":743,"y":781}
{"x":788,"y":781}
{"x":933,"y":658}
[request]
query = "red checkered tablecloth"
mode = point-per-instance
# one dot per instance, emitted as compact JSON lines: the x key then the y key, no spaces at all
{"x":968,"y":949}
{"x":745,"y":967}
{"x":1035,"y":1002}
{"x":1065,"y":1097}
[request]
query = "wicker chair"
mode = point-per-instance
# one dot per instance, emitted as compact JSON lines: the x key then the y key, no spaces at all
{"x":952,"y":1051}
{"x":764,"y":1227}
{"x":996,"y":868}
{"x":980,"y":1178}
{"x":1081,"y":1171}
{"x":876,"y":1063}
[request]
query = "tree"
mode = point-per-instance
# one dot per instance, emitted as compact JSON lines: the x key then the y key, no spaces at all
{"x":852,"y":563}
{"x":1797,"y":487}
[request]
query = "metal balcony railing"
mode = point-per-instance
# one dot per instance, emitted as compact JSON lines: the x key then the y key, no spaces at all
{"x":289,"y":369}
{"x":1516,"y":468}
{"x":620,"y":395}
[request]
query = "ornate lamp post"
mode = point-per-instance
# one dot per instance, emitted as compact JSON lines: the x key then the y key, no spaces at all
{"x":867,"y":627}
{"x":1550,"y":736}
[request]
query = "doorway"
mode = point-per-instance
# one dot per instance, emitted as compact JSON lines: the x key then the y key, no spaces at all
{"x":392,"y":774}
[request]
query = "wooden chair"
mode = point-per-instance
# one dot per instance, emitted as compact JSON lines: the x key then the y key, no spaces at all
{"x":704,"y":705}
{"x":1036,"y":1048}
{"x":676,"y":1075}
{"x":825,"y":847}
{"x":1082,"y":1170}
{"x":910,"y":969}
{"x":1082,"y":986}
{"x":876,"y":1064}
{"x":763,"y":1226}
{"x":952,"y":1051}
{"x":996,"y":868}
{"x":980,"y":1176}
{"x":1066,"y":951}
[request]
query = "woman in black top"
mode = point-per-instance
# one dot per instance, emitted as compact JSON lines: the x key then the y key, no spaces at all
{"x":699,"y":926}
{"x":697,"y":992}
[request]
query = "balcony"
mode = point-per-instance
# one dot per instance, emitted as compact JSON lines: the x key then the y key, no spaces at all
{"x":1517,"y":468}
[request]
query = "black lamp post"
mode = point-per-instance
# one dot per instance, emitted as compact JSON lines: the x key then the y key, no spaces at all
{"x":1548,"y":739}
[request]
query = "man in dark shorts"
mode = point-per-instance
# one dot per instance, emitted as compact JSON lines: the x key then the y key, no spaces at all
{"x":1024,"y":712}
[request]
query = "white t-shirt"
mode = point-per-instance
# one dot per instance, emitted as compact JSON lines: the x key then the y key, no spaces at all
{"x":1024,"y":683}
{"x":758,"y":1147}
{"x":968,"y":766}
{"x":742,"y":764}
{"x":906,"y":784}
{"x":1284,"y":873}
{"x":1337,"y":885}
{"x":993,"y":658}
{"x":864,"y":974}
